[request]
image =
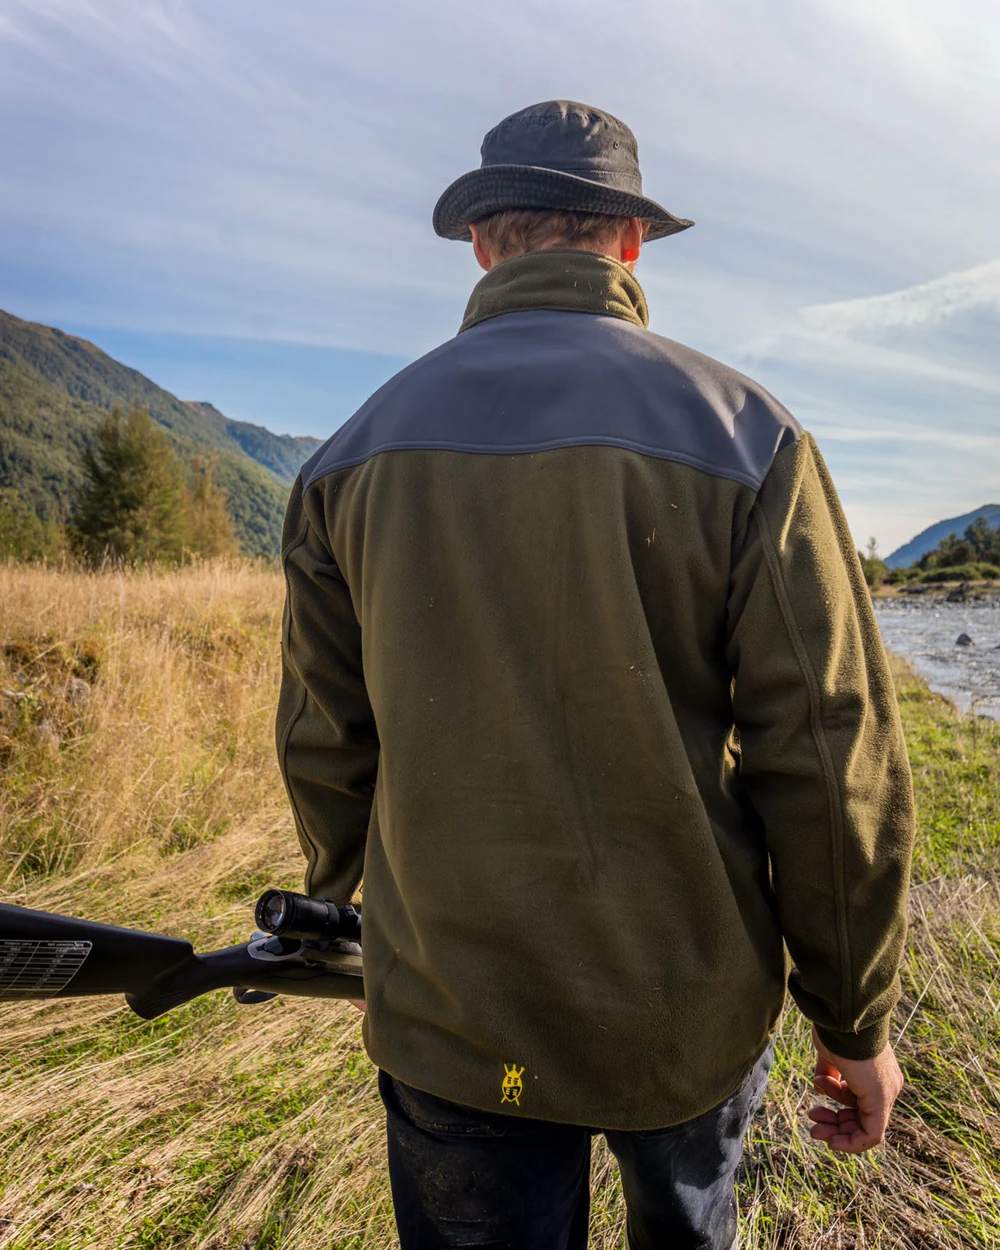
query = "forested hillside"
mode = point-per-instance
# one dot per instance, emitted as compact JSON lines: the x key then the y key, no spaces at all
{"x":283,"y":454}
{"x":935,"y":534}
{"x":54,"y":390}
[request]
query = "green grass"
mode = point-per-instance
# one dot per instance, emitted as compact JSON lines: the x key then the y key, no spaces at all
{"x":954,"y":759}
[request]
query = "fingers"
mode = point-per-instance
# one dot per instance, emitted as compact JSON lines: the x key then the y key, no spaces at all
{"x":823,"y":1068}
{"x":830,"y":1123}
{"x":829,"y":1082}
{"x":850,"y":1141}
{"x":847,"y":1131}
{"x":835,"y":1088}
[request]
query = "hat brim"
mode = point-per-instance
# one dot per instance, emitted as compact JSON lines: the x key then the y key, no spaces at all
{"x":499,"y":187}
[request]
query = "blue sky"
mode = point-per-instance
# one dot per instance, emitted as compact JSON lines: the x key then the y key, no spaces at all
{"x":236,"y":200}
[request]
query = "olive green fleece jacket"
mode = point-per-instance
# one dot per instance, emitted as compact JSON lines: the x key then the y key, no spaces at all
{"x":581,"y":676}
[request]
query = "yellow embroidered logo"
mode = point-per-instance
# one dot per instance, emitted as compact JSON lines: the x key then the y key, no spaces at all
{"x":512,"y":1087}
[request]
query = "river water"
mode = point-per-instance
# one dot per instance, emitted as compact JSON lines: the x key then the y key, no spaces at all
{"x":925,"y":632}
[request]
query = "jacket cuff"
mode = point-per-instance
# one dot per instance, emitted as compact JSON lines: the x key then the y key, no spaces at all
{"x":865,"y":1044}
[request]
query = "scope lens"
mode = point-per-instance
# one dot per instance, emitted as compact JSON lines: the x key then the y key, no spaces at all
{"x":287,"y":914}
{"x":272,"y":910}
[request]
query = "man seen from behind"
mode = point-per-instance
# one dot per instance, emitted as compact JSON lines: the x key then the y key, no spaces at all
{"x":581,"y":676}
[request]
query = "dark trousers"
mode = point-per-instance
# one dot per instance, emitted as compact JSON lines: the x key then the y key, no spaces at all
{"x":462,"y":1177}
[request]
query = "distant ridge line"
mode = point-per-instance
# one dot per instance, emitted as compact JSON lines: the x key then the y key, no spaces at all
{"x":910,"y":552}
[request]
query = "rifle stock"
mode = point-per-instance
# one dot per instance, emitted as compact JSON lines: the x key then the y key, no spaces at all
{"x":45,"y":955}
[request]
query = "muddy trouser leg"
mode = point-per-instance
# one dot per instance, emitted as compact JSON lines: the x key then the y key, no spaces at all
{"x":462,"y":1177}
{"x":678,"y":1181}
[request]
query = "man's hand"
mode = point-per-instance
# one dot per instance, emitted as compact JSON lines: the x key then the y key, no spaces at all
{"x":866,"y":1087}
{"x":359,"y":1003}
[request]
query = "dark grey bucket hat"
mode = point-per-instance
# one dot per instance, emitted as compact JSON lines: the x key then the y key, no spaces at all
{"x":557,"y":154}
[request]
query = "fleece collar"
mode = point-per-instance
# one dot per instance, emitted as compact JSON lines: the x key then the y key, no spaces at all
{"x":558,"y":278}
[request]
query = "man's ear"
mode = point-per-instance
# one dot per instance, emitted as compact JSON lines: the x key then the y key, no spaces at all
{"x":482,"y":255}
{"x":630,"y":240}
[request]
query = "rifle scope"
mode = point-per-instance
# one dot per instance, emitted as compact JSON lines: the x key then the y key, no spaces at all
{"x":289,"y":915}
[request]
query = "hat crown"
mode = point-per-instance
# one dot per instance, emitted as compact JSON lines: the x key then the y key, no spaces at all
{"x":570,"y":137}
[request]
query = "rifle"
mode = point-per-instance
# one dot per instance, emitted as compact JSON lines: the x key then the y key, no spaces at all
{"x":304,"y":946}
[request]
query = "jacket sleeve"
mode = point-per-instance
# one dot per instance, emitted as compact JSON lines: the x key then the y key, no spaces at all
{"x":822,"y":755}
{"x":327,"y":743}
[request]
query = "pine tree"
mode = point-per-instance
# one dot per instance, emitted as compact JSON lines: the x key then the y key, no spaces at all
{"x":134,"y":506}
{"x":210,"y":526}
{"x":872,"y":565}
{"x":984,"y":540}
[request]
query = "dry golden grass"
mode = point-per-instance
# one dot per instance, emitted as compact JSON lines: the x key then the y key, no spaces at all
{"x":140,"y":788}
{"x":137,"y":711}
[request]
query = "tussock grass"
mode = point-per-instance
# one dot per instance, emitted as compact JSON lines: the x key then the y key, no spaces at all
{"x":140,"y":788}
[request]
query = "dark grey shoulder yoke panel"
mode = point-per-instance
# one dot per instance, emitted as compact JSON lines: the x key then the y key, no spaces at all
{"x":544,"y":378}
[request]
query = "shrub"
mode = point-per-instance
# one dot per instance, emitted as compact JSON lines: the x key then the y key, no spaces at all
{"x":960,"y":573}
{"x":24,"y":535}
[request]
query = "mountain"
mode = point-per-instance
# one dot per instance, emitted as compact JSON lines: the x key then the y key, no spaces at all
{"x":283,"y":454}
{"x":55,"y":389}
{"x":929,"y":538}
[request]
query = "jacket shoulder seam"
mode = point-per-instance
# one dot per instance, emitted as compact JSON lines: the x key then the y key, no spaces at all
{"x":643,"y":449}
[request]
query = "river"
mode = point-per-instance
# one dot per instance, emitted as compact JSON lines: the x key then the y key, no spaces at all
{"x":925,"y":632}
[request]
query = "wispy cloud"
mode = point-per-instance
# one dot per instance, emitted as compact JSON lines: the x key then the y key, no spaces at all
{"x":901,"y":335}
{"x":879,"y":432}
{"x":925,"y":304}
{"x":11,"y":32}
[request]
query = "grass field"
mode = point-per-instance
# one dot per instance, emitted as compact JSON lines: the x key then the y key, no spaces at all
{"x":139,"y":788}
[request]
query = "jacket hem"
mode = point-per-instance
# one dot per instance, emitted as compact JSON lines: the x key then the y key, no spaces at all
{"x":596,"y":1123}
